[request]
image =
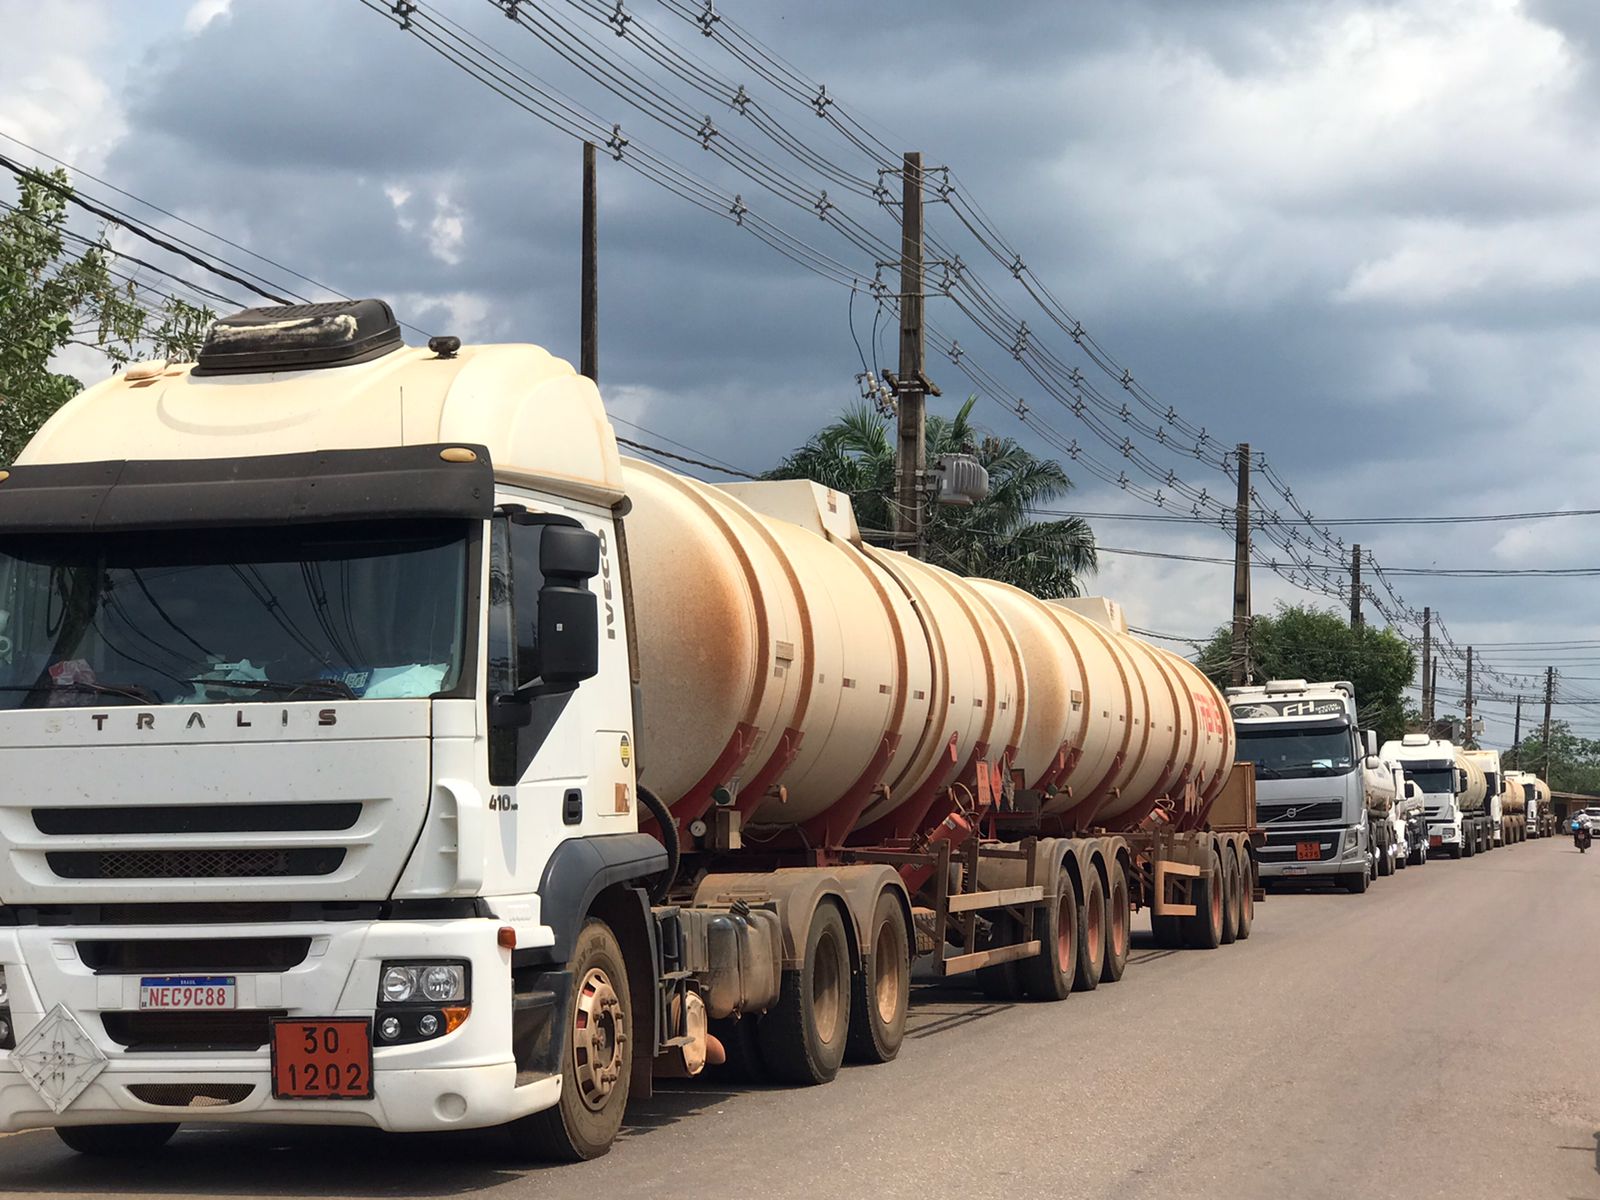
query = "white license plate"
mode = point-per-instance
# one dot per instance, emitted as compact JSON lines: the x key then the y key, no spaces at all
{"x":188,"y":992}
{"x":1291,"y":869}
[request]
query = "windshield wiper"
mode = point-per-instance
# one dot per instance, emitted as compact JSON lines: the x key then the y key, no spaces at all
{"x":132,"y":691}
{"x":1266,"y":772}
{"x":325,"y":687}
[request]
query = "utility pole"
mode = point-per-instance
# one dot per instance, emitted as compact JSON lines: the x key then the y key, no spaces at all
{"x":1427,"y":669}
{"x":1433,"y":690}
{"x":911,"y":448}
{"x":1241,"y":572}
{"x":1468,"y":735}
{"x":1549,"y":697}
{"x":1516,"y":732}
{"x":589,"y":284}
{"x":1355,"y":586}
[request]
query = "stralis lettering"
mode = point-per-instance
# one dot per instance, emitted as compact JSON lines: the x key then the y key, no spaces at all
{"x":193,"y":718}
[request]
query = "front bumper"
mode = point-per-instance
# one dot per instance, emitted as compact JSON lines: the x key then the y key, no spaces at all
{"x":1342,"y":853}
{"x":464,"y":1079}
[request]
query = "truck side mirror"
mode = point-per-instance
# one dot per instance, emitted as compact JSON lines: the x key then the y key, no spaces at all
{"x":1369,"y":742}
{"x":1461,"y":781}
{"x":568,"y":634}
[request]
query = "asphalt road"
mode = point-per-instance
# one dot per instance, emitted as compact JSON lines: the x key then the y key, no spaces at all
{"x":1435,"y":1037}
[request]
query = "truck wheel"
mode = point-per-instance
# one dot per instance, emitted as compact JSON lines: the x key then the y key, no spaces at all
{"x":803,"y":1037}
{"x":116,"y":1141}
{"x":1469,"y":843}
{"x":1203,"y":931}
{"x":1247,"y":898}
{"x":881,"y":990}
{"x":742,"y":1046}
{"x":1048,"y":975}
{"x":1168,"y":931}
{"x":1385,"y":859}
{"x":1356,"y":882}
{"x":1232,"y":899}
{"x":1119,"y":915}
{"x":1091,"y":935}
{"x":594,"y":1086}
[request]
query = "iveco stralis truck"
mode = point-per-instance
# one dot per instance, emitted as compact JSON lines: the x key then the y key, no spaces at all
{"x":1453,"y":792}
{"x":1315,"y":779}
{"x":379,"y":747}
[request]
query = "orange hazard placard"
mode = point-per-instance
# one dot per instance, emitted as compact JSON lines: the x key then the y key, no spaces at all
{"x":322,"y":1058}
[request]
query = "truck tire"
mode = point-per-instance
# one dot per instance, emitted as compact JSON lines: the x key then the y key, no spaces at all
{"x":1091,"y":935}
{"x":1168,"y":931}
{"x":594,"y":1086}
{"x":1356,"y":882}
{"x":1247,"y":898}
{"x":1203,"y":931}
{"x":1469,"y":843}
{"x":116,"y":1141}
{"x":1119,"y":918}
{"x":1230,"y":897}
{"x":1385,"y":859}
{"x":803,"y":1037}
{"x":1048,"y":975}
{"x":881,"y":990}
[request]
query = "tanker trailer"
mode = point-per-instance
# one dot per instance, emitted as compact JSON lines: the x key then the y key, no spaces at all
{"x":573,"y":771}
{"x":1539,"y":800}
{"x":1491,"y":827}
{"x":1513,"y":808}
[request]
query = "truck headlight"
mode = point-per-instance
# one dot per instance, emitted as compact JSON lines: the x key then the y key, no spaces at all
{"x":423,"y":1000}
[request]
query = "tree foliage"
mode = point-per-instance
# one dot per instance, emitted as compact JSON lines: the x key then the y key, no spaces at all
{"x":995,"y":538}
{"x":53,"y":296}
{"x":1303,"y":642}
{"x":1574,"y":760}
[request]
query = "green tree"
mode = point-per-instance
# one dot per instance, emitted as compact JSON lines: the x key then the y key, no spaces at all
{"x":995,"y":538}
{"x":1574,"y":760}
{"x":1303,"y":642}
{"x":52,"y":297}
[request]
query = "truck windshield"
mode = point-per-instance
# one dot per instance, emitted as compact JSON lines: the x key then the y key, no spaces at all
{"x":1433,"y":779}
{"x":369,"y":610}
{"x":1296,"y":752}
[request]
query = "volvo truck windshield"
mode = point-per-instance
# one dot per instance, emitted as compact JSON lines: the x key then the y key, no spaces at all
{"x":1297,"y":753}
{"x":349,"y":610}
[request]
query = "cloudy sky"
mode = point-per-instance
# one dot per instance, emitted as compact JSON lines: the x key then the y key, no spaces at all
{"x":1364,"y":237}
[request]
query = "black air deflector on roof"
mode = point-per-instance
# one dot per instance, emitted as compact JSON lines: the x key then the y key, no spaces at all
{"x":299,"y":337}
{"x":398,"y":482}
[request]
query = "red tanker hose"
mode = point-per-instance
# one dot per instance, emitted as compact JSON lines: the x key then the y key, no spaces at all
{"x":954,"y":828}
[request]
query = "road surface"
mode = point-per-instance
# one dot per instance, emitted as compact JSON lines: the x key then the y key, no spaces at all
{"x":1439,"y":1036}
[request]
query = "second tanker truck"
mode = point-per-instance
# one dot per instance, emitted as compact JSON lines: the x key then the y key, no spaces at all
{"x":382,"y":749}
{"x":1453,"y":791}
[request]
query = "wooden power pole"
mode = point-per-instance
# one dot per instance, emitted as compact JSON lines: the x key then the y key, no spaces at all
{"x":1549,"y":698}
{"x":911,"y":450}
{"x":1467,"y":737}
{"x":1241,"y":573}
{"x":1355,"y":586}
{"x":1516,"y":732}
{"x":589,"y":284}
{"x":1427,"y":670}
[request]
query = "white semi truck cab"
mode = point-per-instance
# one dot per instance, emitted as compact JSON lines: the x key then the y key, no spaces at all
{"x":338,"y":682}
{"x":1312,"y":764}
{"x":1453,"y":792}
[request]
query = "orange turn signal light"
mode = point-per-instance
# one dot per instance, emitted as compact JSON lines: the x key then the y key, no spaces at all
{"x":454,"y":1018}
{"x":508,"y":938}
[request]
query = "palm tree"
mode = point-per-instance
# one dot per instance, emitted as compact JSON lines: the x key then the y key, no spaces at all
{"x":995,"y":538}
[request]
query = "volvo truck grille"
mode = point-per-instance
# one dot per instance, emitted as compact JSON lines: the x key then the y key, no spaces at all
{"x":1284,"y":846}
{"x":1303,"y":810}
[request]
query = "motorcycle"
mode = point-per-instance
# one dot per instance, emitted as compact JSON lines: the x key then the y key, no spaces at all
{"x":1581,"y":837}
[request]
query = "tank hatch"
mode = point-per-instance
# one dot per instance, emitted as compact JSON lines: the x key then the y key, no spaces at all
{"x":299,"y":337}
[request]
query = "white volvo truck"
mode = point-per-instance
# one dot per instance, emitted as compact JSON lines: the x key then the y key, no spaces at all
{"x":1317,"y":782}
{"x":338,"y":680}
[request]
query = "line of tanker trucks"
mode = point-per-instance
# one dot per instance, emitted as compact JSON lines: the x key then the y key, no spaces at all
{"x":1334,"y":804}
{"x":383,"y":749}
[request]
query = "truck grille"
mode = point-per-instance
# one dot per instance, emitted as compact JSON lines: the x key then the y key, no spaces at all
{"x":1284,"y":846}
{"x":197,"y":956}
{"x":191,"y":1095}
{"x":1304,"y":810}
{"x":193,"y":864}
{"x":154,"y":1032}
{"x":199,"y":818}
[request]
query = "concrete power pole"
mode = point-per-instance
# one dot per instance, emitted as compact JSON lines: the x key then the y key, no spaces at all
{"x":1467,"y":737}
{"x":1240,"y":651}
{"x":1516,"y":732}
{"x":911,"y":450}
{"x":1355,"y":586}
{"x":1549,"y":698}
{"x":1427,"y":669}
{"x":589,"y":285}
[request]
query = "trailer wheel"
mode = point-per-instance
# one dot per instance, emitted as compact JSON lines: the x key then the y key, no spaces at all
{"x":1469,"y":843}
{"x":594,"y":1086}
{"x":116,"y":1141}
{"x":1385,"y":859}
{"x":1091,"y":935}
{"x":1048,"y":975}
{"x":1247,"y":897}
{"x":1119,"y":916}
{"x":1356,"y":882}
{"x":881,"y":990}
{"x":1203,"y":931}
{"x":1230,"y":897}
{"x":803,"y":1037}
